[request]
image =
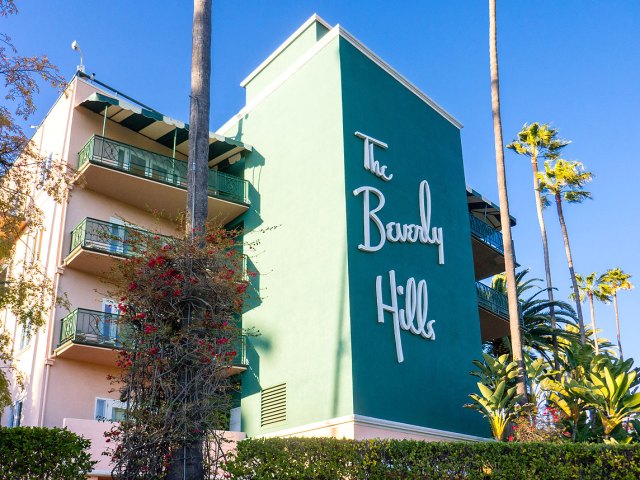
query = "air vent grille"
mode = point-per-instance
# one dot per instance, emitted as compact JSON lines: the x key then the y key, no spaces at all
{"x":273,"y":405}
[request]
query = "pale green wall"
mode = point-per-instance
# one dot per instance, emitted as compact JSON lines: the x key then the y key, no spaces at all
{"x":289,"y":55}
{"x":297,"y":173}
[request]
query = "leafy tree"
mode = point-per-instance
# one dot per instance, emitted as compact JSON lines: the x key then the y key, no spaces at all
{"x":25,"y":174}
{"x":565,"y":180}
{"x":505,"y":220}
{"x":179,"y":301}
{"x":497,"y":397}
{"x":610,"y":395}
{"x":540,"y":141}
{"x":593,"y":287}
{"x":615,"y":279}
{"x":537,"y":330}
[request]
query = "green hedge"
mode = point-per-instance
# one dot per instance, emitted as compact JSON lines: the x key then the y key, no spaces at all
{"x":330,"y":459}
{"x":43,"y":453}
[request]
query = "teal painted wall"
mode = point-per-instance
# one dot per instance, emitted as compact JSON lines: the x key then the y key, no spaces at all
{"x":431,"y":385}
{"x":297,"y":175}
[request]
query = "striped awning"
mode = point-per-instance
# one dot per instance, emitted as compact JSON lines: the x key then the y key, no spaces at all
{"x":160,"y":128}
{"x":485,"y":209}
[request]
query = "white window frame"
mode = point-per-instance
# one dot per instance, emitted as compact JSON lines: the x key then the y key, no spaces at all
{"x":109,"y":405}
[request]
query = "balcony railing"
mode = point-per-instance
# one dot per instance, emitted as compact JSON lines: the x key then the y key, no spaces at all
{"x":486,"y":233}
{"x":169,"y":171}
{"x":492,"y":300}
{"x":107,"y":237}
{"x":90,"y":327}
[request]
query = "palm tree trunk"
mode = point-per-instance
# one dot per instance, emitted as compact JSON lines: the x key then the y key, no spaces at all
{"x":547,"y":263}
{"x":615,"y":308}
{"x":187,"y":459}
{"x":505,"y":220}
{"x":574,"y":283}
{"x":197,"y":192}
{"x":593,"y":324}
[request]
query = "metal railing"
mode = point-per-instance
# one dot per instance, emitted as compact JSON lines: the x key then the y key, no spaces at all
{"x":486,"y":233}
{"x":492,"y":300}
{"x":90,"y":327}
{"x":160,"y":168}
{"x":107,"y":237}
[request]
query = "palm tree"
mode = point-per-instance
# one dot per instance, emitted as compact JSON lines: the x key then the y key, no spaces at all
{"x":197,"y":193}
{"x":592,"y":287}
{"x":505,"y":220}
{"x":188,"y":461}
{"x":565,"y":180}
{"x":538,"y":333}
{"x":538,"y":141}
{"x":615,"y":279}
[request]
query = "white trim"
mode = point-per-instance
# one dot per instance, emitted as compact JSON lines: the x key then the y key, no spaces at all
{"x":416,"y":430}
{"x":313,"y":18}
{"x":361,"y":420}
{"x":347,"y":419}
{"x":323,"y":42}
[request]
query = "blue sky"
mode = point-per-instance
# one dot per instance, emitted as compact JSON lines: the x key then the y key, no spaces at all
{"x":573,"y":63}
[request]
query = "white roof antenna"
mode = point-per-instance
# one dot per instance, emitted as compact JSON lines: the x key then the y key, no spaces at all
{"x":75,"y":46}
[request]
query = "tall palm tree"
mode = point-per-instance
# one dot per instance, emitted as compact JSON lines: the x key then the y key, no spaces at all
{"x":538,"y":333}
{"x":615,"y":280}
{"x":593,"y":287}
{"x":538,"y":141}
{"x":505,"y":220}
{"x":565,"y":180}
{"x":197,"y":194}
{"x":188,"y":461}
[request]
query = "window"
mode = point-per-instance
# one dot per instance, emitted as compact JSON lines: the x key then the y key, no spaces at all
{"x":110,"y":410}
{"x":25,"y":335}
{"x":15,"y":414}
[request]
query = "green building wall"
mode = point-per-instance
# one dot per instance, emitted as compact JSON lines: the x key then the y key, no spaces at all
{"x":317,"y":314}
{"x":297,"y":172}
{"x":432,"y":383}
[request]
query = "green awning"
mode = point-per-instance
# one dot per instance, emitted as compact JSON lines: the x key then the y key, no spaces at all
{"x":485,"y":209}
{"x":160,"y":128}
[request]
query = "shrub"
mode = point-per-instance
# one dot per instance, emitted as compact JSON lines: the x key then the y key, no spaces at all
{"x":44,"y":454}
{"x":329,"y":459}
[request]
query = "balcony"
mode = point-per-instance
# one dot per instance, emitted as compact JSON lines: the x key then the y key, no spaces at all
{"x":488,"y":251}
{"x":493,"y":307}
{"x":89,"y":336}
{"x":96,"y":245}
{"x":155,"y":182}
{"x":93,"y":336}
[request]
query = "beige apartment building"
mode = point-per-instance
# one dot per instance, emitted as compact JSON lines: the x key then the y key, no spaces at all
{"x":130,"y":173}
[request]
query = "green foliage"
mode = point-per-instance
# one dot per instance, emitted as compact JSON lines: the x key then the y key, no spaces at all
{"x":565,"y":180}
{"x":30,"y":453}
{"x":538,"y":141}
{"x":537,"y":333}
{"x":497,"y":399}
{"x":329,"y":459}
{"x":596,"y":393}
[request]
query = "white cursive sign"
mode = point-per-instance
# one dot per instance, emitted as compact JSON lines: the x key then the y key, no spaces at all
{"x":413,"y":317}
{"x":370,"y":162}
{"x":396,"y":231}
